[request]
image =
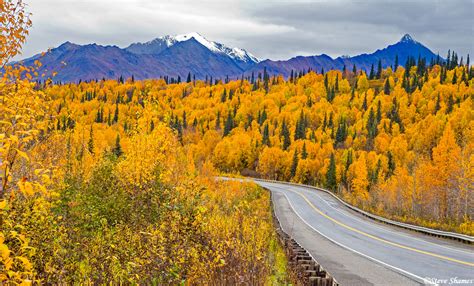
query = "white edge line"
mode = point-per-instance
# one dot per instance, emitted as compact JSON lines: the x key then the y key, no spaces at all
{"x":401,"y":271}
{"x":381,"y":227}
{"x":430,"y":231}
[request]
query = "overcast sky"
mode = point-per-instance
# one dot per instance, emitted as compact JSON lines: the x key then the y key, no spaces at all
{"x":267,"y":29}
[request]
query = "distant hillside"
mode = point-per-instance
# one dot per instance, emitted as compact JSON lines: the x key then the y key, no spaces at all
{"x":404,"y":48}
{"x":180,"y":55}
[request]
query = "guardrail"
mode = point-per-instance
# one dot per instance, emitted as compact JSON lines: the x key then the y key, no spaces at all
{"x":433,"y":232}
{"x":304,"y":269}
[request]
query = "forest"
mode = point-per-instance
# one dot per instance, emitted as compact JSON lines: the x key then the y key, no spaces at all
{"x":113,"y":181}
{"x":87,"y":202}
{"x":395,"y":142}
{"x":90,"y":167}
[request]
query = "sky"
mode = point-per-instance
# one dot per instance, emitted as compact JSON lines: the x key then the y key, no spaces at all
{"x":268,"y":29}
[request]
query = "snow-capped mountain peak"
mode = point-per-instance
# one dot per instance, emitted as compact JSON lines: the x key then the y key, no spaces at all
{"x":407,"y":39}
{"x":161,"y":43}
{"x":212,"y":46}
{"x":234,"y":53}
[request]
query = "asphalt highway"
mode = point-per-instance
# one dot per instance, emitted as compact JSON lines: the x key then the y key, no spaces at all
{"x":359,"y":251}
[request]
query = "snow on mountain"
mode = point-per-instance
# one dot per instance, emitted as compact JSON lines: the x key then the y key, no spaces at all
{"x":161,"y":43}
{"x":407,"y":39}
{"x":192,"y":53}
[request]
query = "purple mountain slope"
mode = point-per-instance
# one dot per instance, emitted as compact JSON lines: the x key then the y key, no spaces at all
{"x":404,"y":48}
{"x":191,"y":56}
{"x":173,"y":56}
{"x":191,"y":53}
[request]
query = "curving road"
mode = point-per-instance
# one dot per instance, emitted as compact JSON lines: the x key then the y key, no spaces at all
{"x":360,"y":251}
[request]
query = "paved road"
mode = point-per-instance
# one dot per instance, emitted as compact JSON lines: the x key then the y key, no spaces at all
{"x":360,"y":251}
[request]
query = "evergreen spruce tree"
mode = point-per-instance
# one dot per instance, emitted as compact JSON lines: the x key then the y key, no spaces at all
{"x":117,"y":150}
{"x":341,"y":133}
{"x":391,"y":164}
{"x":371,"y":74}
{"x":263,"y":117}
{"x":294,"y":164}
{"x":185,"y":121}
{"x":266,"y":136}
{"x":325,"y":121}
{"x":116,"y":114}
{"x":379,"y":70}
{"x":300,"y":132}
{"x":218,"y":120}
{"x":224,"y":96}
{"x":331,"y":121}
{"x":331,"y":181}
{"x":285,"y":133}
{"x":438,"y":104}
{"x":372,"y":125}
{"x":379,"y":112}
{"x":450,"y":106}
{"x":304,"y":153}
{"x":229,"y":124}
{"x":90,"y":143}
{"x":386,"y":88}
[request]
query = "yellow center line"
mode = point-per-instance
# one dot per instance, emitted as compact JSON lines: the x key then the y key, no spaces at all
{"x":381,"y":239}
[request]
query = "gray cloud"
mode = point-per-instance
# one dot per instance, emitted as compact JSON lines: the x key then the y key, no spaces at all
{"x":268,"y":29}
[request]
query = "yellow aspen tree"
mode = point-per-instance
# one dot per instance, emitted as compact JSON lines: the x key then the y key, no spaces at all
{"x":446,"y":159}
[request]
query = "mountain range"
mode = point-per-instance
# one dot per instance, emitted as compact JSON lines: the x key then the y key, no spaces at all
{"x":180,"y":55}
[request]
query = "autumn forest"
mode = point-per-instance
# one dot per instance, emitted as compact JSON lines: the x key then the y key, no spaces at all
{"x":114,"y":180}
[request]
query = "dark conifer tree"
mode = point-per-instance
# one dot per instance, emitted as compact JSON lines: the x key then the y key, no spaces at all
{"x":372,"y":125}
{"x":229,"y":124}
{"x":386,"y":88}
{"x":116,"y":114}
{"x":300,"y":132}
{"x":379,"y":112}
{"x":218,"y":120}
{"x":341,"y":132}
{"x":331,"y":181}
{"x":90,"y":143}
{"x":455,"y":78}
{"x":285,"y":133}
{"x":391,"y":164}
{"x":117,"y":150}
{"x":294,"y":164}
{"x":304,"y":153}
{"x":379,"y":69}
{"x":371,"y":74}
{"x":185,"y":122}
{"x":331,"y":121}
{"x":224,"y":95}
{"x":438,"y":104}
{"x":266,"y":136}
{"x":325,"y":121}
{"x":450,"y":106}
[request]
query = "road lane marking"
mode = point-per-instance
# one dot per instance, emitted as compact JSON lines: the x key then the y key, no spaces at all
{"x":377,"y":238}
{"x":371,"y":224}
{"x":399,"y":270}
